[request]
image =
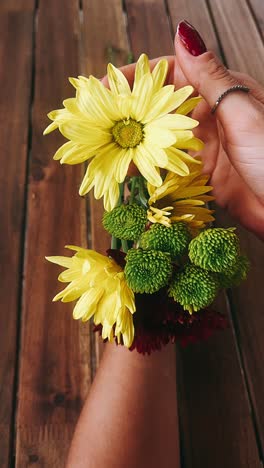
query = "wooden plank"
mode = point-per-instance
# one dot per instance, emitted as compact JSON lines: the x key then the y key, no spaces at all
{"x":257,"y":10}
{"x":215,"y":423}
{"x":238,"y":42}
{"x":15,"y":57}
{"x":17,"y":5}
{"x":103,"y":41}
{"x":248,"y":301}
{"x":147,"y":24}
{"x":215,"y":431}
{"x":198,"y":15}
{"x":55,"y":359}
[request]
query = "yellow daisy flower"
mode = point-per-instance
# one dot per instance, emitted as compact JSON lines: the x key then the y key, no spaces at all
{"x":181,"y":199}
{"x":99,"y":285}
{"x":118,"y":125}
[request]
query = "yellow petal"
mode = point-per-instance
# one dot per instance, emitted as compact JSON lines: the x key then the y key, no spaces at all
{"x":69,"y":275}
{"x":105,"y":97}
{"x":189,"y":105}
{"x":178,"y":98}
{"x":142,"y":67}
{"x":50,"y":128}
{"x":127,"y":329}
{"x":74,"y":290}
{"x":158,"y":155}
{"x":183,"y":136}
{"x":82,"y":133}
{"x":127,"y":295}
{"x":124,"y":104}
{"x":189,"y":192}
{"x":184,"y":156}
{"x":87,"y":184}
{"x":92,"y":108}
{"x":174,"y":122}
{"x":78,"y":82}
{"x":193,"y":144}
{"x":141,"y":97}
{"x":159,"y":136}
{"x":59,"y":260}
{"x":144,"y":162}
{"x":175,"y":163}
{"x":71,"y":153}
{"x":159,"y":74}
{"x":122,"y":167}
{"x":117,"y":81}
{"x":102,"y":170}
{"x":71,"y":106}
{"x":158,"y":103}
{"x":189,"y":201}
{"x":87,"y":304}
{"x":107,"y":331}
{"x":111,"y":196}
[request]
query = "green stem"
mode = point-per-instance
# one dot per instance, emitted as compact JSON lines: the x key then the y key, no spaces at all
{"x":124,"y":245}
{"x":113,"y":243}
{"x":133,"y":189}
{"x":142,"y":194}
{"x":121,"y":193}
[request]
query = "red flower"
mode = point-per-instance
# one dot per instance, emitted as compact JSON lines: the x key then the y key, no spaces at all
{"x":159,"y":320}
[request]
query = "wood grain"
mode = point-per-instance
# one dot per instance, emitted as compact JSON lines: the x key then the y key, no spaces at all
{"x":257,"y":10}
{"x":215,"y":419}
{"x":198,"y":15}
{"x":248,"y":300}
{"x":149,"y":28}
{"x":105,"y":42}
{"x":17,"y":5}
{"x":16,"y":59}
{"x":218,"y":393}
{"x":54,"y":357}
{"x":216,"y":425}
{"x":242,"y":46}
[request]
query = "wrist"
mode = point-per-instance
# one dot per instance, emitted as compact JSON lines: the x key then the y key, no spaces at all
{"x":163,"y":360}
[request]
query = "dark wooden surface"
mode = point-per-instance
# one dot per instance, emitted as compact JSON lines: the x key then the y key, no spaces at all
{"x":48,"y":360}
{"x":15,"y":98}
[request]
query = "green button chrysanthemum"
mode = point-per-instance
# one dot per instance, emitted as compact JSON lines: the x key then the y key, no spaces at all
{"x":194,"y":288}
{"x":147,"y":271}
{"x":126,"y":221}
{"x":234,"y":276}
{"x":215,"y":249}
{"x":173,"y":239}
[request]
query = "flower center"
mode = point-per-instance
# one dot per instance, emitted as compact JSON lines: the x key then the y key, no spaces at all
{"x":128,"y":134}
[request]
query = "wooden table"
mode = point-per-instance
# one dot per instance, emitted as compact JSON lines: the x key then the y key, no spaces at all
{"x":48,"y":360}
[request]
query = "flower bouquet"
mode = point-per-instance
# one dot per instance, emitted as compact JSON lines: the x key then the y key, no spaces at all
{"x":167,"y":263}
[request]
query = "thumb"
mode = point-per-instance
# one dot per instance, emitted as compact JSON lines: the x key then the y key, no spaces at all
{"x":206,"y":72}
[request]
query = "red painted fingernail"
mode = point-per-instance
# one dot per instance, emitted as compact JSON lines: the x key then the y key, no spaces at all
{"x":190,"y":38}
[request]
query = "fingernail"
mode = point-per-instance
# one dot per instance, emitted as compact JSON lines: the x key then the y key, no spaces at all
{"x":190,"y":38}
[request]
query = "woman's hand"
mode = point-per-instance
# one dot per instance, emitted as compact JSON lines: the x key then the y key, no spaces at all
{"x":233,"y":136}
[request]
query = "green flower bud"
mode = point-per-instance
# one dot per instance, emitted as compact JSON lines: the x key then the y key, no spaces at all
{"x":173,"y":239}
{"x":194,"y":288}
{"x":147,"y":271}
{"x":125,"y":221}
{"x":215,"y":249}
{"x":234,"y":276}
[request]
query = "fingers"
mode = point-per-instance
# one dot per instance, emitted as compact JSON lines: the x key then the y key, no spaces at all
{"x":209,"y":76}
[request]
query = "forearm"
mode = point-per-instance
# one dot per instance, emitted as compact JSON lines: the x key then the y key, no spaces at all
{"x":130,"y":416}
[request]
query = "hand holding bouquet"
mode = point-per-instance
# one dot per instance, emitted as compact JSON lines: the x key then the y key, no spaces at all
{"x":166,"y":263}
